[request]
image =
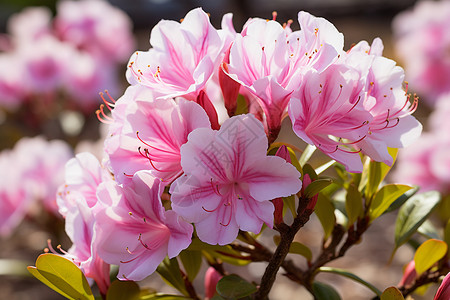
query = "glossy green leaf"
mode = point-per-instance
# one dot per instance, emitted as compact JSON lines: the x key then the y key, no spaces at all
{"x":123,"y":290}
{"x":62,"y":275}
{"x":234,"y":287}
{"x":392,"y":293}
{"x":316,"y":186}
{"x":169,"y":270}
{"x":294,"y":160}
{"x":307,"y":169}
{"x":324,"y":291}
{"x":352,"y":277}
{"x":296,"y":248}
{"x":377,"y":171}
{"x":306,"y":155}
{"x":447,"y":233}
{"x":412,"y":214}
{"x":325,"y":212}
{"x":402,"y":199}
{"x":429,"y":253}
{"x":353,"y":204}
{"x":192,"y":261}
{"x":385,"y":197}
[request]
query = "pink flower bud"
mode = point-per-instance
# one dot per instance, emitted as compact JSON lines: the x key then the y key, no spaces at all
{"x":211,"y":279}
{"x":409,"y":274}
{"x":313,"y":201}
{"x":207,"y":105}
{"x":230,"y":89}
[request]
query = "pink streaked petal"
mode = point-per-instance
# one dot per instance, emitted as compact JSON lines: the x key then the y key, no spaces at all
{"x":251,"y":214}
{"x":180,"y":233}
{"x":210,"y":230}
{"x":192,"y":197}
{"x":141,"y":267}
{"x":271,"y":179}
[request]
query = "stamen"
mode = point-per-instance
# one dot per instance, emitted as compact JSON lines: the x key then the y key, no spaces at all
{"x":274,"y":15}
{"x":216,"y":188}
{"x":143,"y":244}
{"x":127,"y":261}
{"x":128,"y":175}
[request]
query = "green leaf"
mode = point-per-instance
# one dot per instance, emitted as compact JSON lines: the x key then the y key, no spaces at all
{"x":377,"y":171}
{"x":123,"y":290}
{"x":324,"y":291}
{"x":428,"y":230}
{"x":306,"y":155}
{"x":241,"y":106}
{"x":225,"y":253}
{"x":402,"y":199}
{"x":14,"y":267}
{"x":307,"y":169}
{"x":429,"y":253}
{"x":169,"y":270}
{"x":316,"y":186}
{"x":289,"y":202}
{"x":412,"y":214}
{"x":296,"y":248}
{"x":353,"y":204}
{"x":392,"y":293}
{"x":192,"y":261}
{"x":62,"y":275}
{"x":325,"y":212}
{"x":447,"y":233}
{"x":385,"y":197}
{"x":294,"y":160}
{"x":234,"y":287}
{"x":351,"y":276}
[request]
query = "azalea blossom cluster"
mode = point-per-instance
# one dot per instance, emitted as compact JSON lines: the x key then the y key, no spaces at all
{"x":179,"y":156}
{"x":77,"y":52}
{"x":422,"y":41}
{"x":33,"y":171}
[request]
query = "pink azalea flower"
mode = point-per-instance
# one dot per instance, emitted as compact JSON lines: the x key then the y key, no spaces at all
{"x":96,"y":27}
{"x":183,"y":58}
{"x":229,"y":181}
{"x":42,"y":168}
{"x":12,"y":89}
{"x":30,"y":24}
{"x":418,"y":163}
{"x":85,"y":76}
{"x":327,"y":111}
{"x":134,"y":231}
{"x":392,"y":124}
{"x":78,"y":204}
{"x":422,"y":40}
{"x":14,"y":196}
{"x":44,"y":64}
{"x":443,"y":292}
{"x":269,"y":61}
{"x":152,"y":134}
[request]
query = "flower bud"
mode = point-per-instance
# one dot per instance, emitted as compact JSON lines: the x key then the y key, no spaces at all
{"x":211,"y":279}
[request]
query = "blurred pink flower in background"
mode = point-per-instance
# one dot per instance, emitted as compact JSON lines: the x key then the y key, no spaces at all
{"x":33,"y":170}
{"x":78,"y":52}
{"x":426,"y":162}
{"x":211,"y":279}
{"x":422,"y":40}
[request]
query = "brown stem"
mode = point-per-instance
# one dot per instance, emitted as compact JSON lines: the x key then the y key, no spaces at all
{"x":189,"y":287}
{"x":287,"y":236}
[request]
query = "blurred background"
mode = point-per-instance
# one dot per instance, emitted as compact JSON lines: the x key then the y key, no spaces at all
{"x":55,"y":61}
